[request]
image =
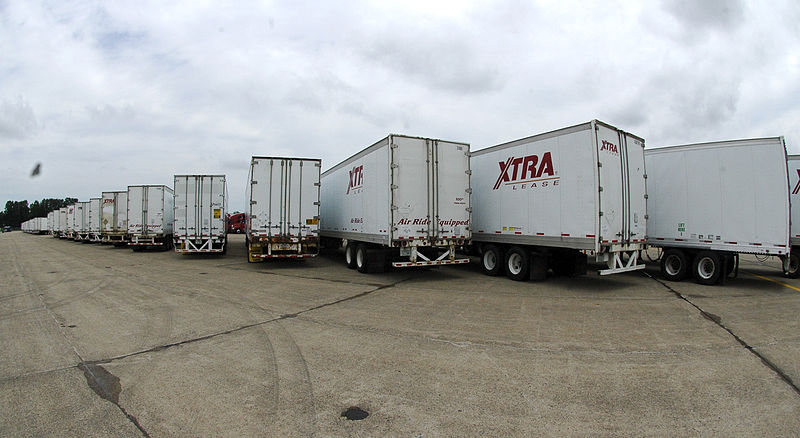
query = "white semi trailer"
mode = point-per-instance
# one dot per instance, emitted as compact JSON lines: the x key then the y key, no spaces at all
{"x":282,"y":218}
{"x":200,"y":214}
{"x":70,"y":229}
{"x":114,"y":218}
{"x":546,"y":201}
{"x":52,"y":224}
{"x":150,"y":216}
{"x":93,"y":219}
{"x":402,"y":202}
{"x":81,"y":222}
{"x":710,"y":202}
{"x":793,"y":164}
{"x":62,"y":222}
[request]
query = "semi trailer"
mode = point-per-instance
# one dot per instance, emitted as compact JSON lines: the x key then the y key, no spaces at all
{"x":114,"y":218}
{"x":62,"y":223}
{"x":200,"y":214}
{"x":70,"y":228}
{"x":547,"y":201}
{"x":793,"y":267}
{"x":402,"y":202}
{"x":710,"y":202}
{"x":282,"y":215}
{"x":94,"y":217}
{"x":150,"y":216}
{"x":81,"y":222}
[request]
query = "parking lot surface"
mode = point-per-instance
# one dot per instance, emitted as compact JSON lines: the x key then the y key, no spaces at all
{"x":102,"y":341}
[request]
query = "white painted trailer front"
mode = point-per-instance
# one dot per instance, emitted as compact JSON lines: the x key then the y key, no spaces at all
{"x":545,"y":201}
{"x":114,"y":219}
{"x":200,"y":214}
{"x":150,"y":216}
{"x":708,"y":202}
{"x":94,"y":217}
{"x":282,"y":218}
{"x":404,"y":201}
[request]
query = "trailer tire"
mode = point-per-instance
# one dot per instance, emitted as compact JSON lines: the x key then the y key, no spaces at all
{"x":362,"y":264}
{"x":674,"y":265}
{"x":707,"y":267}
{"x":350,"y":255}
{"x":518,"y":263}
{"x":492,"y":260}
{"x":794,"y":265}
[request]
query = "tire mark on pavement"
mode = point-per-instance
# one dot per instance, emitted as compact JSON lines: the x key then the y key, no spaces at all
{"x":718,"y":321}
{"x":245,"y":326}
{"x":82,"y":365}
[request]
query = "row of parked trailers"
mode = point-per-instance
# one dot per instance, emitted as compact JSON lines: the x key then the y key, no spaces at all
{"x":545,"y":202}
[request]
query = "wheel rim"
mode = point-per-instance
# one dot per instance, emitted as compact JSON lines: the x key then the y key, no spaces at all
{"x":359,"y":258}
{"x":673,"y":265}
{"x":706,"y":268}
{"x":489,"y":260}
{"x":348,"y":255}
{"x":515,"y":263}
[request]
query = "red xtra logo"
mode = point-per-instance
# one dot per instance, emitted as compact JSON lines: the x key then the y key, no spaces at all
{"x":356,"y":178}
{"x":608,"y":146}
{"x":797,"y":187}
{"x":529,"y":169}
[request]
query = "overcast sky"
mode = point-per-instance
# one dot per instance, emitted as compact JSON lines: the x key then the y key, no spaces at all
{"x":107,"y":94}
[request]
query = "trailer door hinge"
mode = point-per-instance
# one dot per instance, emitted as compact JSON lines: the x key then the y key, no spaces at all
{"x":395,"y":166}
{"x":599,"y":164}
{"x":394,"y":187}
{"x":317,"y":184}
{"x":252,"y":202}
{"x":601,"y":213}
{"x":468,"y":172}
{"x":316,"y":202}
{"x":253,"y":182}
{"x":601,"y":188}
{"x":394,"y":207}
{"x":468,"y":191}
{"x":393,"y":146}
{"x":646,"y":197}
{"x":647,"y":216}
{"x":469,"y":209}
{"x":645,"y":176}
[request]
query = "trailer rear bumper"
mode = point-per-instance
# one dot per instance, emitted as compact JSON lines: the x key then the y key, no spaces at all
{"x":282,"y":256}
{"x":616,"y":264}
{"x":185,"y":245}
{"x":429,"y":263}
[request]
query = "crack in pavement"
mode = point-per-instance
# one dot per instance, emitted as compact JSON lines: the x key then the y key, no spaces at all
{"x":718,"y":321}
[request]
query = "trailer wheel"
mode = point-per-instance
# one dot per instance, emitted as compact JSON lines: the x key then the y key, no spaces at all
{"x":518,"y":264}
{"x":492,"y":260}
{"x":794,"y":265}
{"x":674,"y":266}
{"x":361,"y":258}
{"x":350,"y":255}
{"x":707,"y":267}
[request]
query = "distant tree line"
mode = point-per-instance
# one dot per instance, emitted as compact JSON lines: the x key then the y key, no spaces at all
{"x":17,"y":212}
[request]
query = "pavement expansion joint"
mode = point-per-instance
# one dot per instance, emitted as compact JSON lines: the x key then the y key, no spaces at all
{"x":718,"y":321}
